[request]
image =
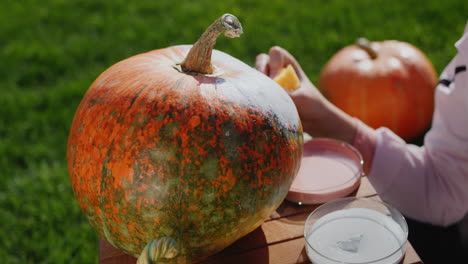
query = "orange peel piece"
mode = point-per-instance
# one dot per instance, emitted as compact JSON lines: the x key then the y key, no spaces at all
{"x":287,"y":78}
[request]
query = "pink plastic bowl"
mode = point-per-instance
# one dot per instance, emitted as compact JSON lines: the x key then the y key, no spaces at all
{"x":330,"y":169}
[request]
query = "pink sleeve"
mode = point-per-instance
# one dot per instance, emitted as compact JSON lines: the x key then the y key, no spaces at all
{"x":427,"y":183}
{"x":423,"y":184}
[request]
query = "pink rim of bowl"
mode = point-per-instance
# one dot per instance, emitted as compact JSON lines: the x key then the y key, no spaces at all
{"x":322,"y":147}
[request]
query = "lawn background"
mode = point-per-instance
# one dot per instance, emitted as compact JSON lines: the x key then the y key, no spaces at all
{"x":52,"y":50}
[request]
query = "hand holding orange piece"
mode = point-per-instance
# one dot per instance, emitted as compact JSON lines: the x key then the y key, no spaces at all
{"x":287,"y":78}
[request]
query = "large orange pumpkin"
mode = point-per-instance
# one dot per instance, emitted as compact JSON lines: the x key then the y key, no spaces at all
{"x":179,"y":157}
{"x":389,"y":83}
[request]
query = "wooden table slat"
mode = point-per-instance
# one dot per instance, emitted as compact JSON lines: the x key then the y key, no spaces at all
{"x":288,"y":208}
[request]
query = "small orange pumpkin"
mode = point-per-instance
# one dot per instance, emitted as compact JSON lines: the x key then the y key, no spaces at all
{"x":389,"y":83}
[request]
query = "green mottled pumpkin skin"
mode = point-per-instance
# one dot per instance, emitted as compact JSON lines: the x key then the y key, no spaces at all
{"x":154,"y":152}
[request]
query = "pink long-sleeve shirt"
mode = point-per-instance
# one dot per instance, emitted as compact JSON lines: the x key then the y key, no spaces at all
{"x":428,"y":183}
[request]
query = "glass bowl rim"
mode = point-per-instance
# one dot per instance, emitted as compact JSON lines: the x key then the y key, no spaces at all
{"x":321,"y":207}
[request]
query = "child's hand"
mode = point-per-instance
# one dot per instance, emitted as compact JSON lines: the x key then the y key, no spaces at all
{"x":307,"y":98}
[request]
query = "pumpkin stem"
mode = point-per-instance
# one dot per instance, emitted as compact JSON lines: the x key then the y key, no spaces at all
{"x":198,"y":59}
{"x":365,"y":44}
{"x":161,"y":249}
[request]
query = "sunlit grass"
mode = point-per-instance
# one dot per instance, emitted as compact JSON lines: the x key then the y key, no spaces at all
{"x":52,"y":50}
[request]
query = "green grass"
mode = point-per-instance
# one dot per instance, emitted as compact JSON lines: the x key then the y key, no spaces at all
{"x":52,"y":50}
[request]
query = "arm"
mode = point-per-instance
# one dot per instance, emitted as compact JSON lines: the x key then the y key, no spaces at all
{"x":426,"y":183}
{"x":430,"y":183}
{"x":319,"y":117}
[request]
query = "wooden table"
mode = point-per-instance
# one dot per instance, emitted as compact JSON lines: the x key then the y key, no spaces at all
{"x":279,"y":240}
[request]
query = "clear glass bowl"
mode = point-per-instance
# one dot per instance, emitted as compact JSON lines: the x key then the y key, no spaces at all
{"x":355,"y":230}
